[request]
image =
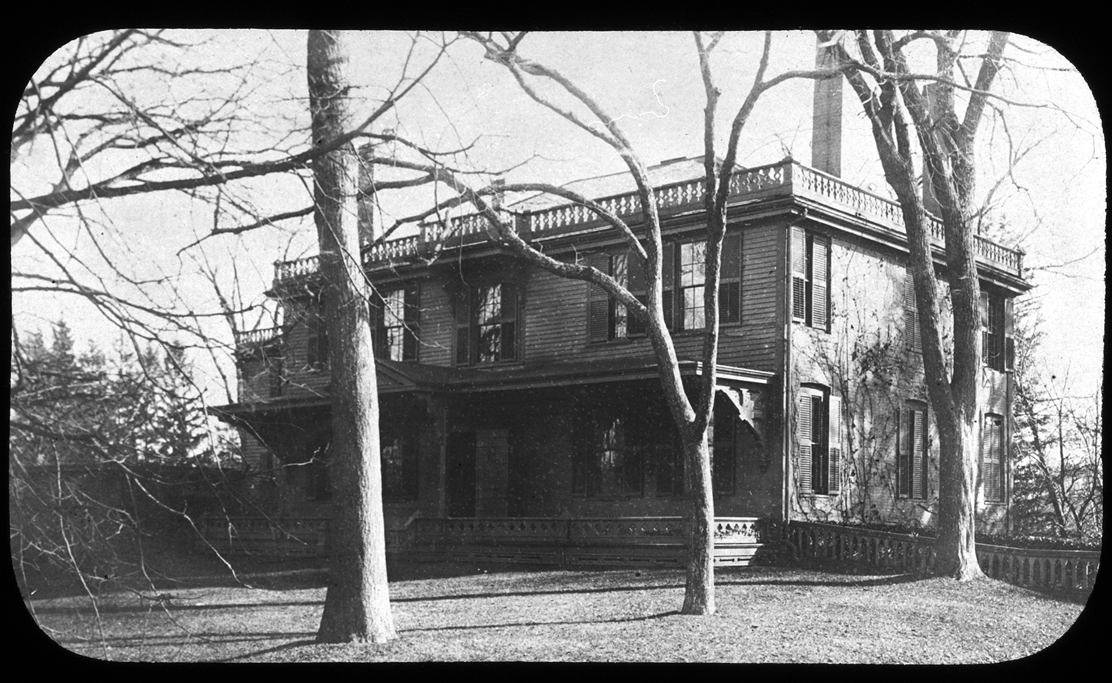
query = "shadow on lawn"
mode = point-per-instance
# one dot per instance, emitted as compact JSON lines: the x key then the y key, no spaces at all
{"x":516,"y":624}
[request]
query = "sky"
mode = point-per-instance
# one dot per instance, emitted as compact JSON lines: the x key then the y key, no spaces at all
{"x":1052,"y":205}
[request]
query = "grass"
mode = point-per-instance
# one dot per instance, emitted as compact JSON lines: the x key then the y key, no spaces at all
{"x":461,"y":613}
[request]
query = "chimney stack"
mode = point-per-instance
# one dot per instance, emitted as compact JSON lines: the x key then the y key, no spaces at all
{"x":499,"y":196}
{"x":826,"y":131}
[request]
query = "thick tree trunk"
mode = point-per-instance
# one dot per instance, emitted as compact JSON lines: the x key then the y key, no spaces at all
{"x":698,"y":597}
{"x":357,"y":605}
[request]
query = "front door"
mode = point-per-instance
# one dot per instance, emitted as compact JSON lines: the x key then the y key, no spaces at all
{"x":460,"y":475}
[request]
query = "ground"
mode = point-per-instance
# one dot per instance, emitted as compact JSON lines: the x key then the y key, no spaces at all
{"x":468,"y":613}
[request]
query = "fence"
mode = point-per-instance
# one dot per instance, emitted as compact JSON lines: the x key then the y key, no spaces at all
{"x":1072,"y":571}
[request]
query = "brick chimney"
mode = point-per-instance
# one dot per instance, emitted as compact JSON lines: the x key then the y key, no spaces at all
{"x":930,"y":202}
{"x":826,"y":130}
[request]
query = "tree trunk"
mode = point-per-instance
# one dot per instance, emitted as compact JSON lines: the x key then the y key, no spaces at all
{"x":357,"y":604}
{"x":698,"y":597}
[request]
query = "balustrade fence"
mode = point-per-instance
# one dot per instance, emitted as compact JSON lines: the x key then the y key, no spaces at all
{"x":615,"y":541}
{"x":1066,"y":570}
{"x":783,"y":178}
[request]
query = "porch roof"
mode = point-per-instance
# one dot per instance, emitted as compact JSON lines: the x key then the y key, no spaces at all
{"x":398,"y":378}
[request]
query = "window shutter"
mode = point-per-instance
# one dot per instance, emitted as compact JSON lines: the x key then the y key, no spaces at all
{"x":412,"y":322}
{"x":667,"y":282}
{"x":917,"y":445}
{"x":911,"y":316}
{"x":598,"y":302}
{"x":729,"y":296}
{"x":820,"y":283}
{"x":509,"y":304}
{"x":834,"y":444}
{"x":986,"y":329}
{"x":902,"y":467}
{"x":374,"y":308}
{"x":799,"y":274}
{"x":803,"y":437}
{"x":1009,"y":335}
{"x":637,"y":288}
{"x":463,"y":327}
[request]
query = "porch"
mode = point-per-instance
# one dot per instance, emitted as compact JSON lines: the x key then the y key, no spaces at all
{"x":560,"y":541}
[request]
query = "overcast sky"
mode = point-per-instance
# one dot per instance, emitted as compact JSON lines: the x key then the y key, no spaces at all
{"x":1055,"y":208}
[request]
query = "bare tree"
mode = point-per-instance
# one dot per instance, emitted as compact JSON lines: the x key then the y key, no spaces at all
{"x":357,"y":605}
{"x":877,"y":67}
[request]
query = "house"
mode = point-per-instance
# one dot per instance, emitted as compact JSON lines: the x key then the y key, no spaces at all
{"x":523,"y":411}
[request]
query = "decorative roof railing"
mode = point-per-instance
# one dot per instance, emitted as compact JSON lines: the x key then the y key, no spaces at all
{"x":784,"y":178}
{"x":249,"y":338}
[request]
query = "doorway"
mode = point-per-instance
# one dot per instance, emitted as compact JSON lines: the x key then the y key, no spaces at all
{"x":460,"y":475}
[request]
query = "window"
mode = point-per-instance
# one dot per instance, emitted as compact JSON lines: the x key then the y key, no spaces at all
{"x":395,"y":323}
{"x":992,"y":458}
{"x":911,"y":453}
{"x":487,"y":324}
{"x":320,"y":488}
{"x":810,"y":278}
{"x":997,"y":342}
{"x":316,"y":356}
{"x":683,"y":263}
{"x":818,"y":435}
{"x":608,"y":464}
{"x":399,"y":468}
{"x":724,"y":450}
{"x":912,"y":339}
{"x":275,"y":366}
{"x":668,"y":468}
{"x":606,"y":318}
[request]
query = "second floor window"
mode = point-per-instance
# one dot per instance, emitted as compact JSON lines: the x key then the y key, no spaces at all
{"x":912,"y":339}
{"x":275,"y":364}
{"x":395,"y":323}
{"x":487,"y":324}
{"x":810,"y":279}
{"x":316,"y":353}
{"x":997,"y":343}
{"x":683,"y":289}
{"x":911,"y":453}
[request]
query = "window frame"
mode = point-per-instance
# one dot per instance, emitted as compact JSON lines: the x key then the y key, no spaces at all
{"x":912,"y":424}
{"x":994,"y":437}
{"x":819,"y":457}
{"x":383,"y":322}
{"x":997,"y":333}
{"x":468,"y":325}
{"x":316,"y":351}
{"x":810,"y":299}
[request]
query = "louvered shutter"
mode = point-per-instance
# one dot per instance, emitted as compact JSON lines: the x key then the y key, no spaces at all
{"x":834,"y":444}
{"x":509,"y":304}
{"x":917,"y":445}
{"x":986,"y":329}
{"x":411,"y":333}
{"x":374,"y":308}
{"x":911,"y":315}
{"x":667,"y":282}
{"x":803,"y":437}
{"x":729,"y":296}
{"x":463,"y":327}
{"x":1009,"y":335}
{"x":598,"y":302}
{"x":820,"y":279}
{"x":637,"y":288}
{"x":903,"y":467}
{"x":799,"y":274}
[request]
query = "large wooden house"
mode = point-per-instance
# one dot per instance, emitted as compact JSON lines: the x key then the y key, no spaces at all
{"x":522,"y":415}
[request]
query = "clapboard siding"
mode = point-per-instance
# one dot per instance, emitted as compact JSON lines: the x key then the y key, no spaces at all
{"x":437,"y":325}
{"x":753,"y":343}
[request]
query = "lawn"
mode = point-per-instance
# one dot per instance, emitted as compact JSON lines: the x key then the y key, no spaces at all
{"x":457,"y":613}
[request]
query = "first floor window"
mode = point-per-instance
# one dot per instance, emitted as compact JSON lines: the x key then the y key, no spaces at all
{"x":608,"y":465}
{"x":911,"y":456}
{"x":399,"y":468}
{"x":668,"y":468}
{"x":320,"y":487}
{"x":993,"y":446}
{"x":818,"y":440}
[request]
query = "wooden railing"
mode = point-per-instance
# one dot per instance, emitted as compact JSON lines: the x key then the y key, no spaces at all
{"x":294,"y":537}
{"x":1066,"y":570}
{"x":783,"y":178}
{"x":247,"y":338}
